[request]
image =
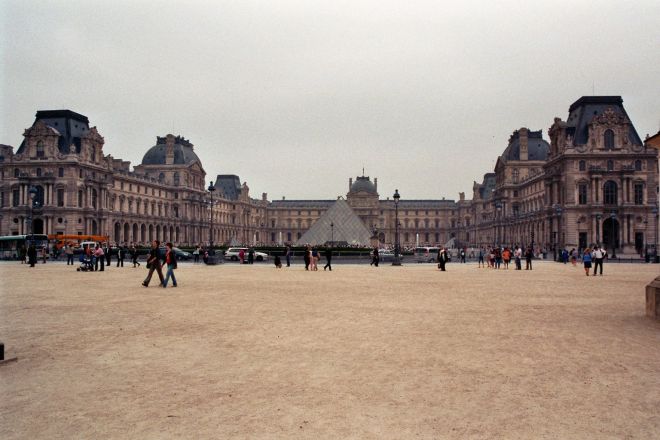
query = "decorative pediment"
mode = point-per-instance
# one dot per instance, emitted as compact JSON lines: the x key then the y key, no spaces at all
{"x":609,"y":117}
{"x":40,"y":129}
{"x":93,"y":136}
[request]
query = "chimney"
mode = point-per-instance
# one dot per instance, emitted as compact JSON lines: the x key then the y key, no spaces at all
{"x":350,"y":183}
{"x":169,"y":149}
{"x":523,"y":136}
{"x":376,"y":183}
{"x":461,"y":196}
{"x":264,"y":197}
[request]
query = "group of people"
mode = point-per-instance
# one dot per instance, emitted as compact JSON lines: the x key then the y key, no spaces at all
{"x":312,"y":257}
{"x":496,"y":257}
{"x":595,"y":256}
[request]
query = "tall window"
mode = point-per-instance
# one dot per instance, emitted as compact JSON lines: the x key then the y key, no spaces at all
{"x":639,"y":194}
{"x":609,"y":139}
{"x":610,"y":193}
{"x":80,"y":199}
{"x":38,"y":172}
{"x":39,"y":198}
{"x":516,"y":175}
{"x":40,"y":149}
{"x":60,"y":172}
{"x":94,"y":198}
{"x":582,"y":194}
{"x":610,"y":165}
{"x":15,"y":197}
{"x":638,"y":165}
{"x":17,"y":172}
{"x":582,"y":165}
{"x":60,"y":197}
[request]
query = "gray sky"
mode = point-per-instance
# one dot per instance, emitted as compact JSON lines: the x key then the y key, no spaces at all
{"x":297,"y":96}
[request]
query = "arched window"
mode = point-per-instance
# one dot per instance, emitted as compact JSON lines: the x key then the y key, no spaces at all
{"x":610,"y":165}
{"x":17,"y":172}
{"x":638,"y":165}
{"x":94,"y":198}
{"x":582,"y":165}
{"x":40,"y":149}
{"x":610,"y":193}
{"x":608,"y":137}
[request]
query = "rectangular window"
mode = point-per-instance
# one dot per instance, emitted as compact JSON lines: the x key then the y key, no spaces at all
{"x":60,"y":172}
{"x":15,"y":197}
{"x":582,"y":194}
{"x":2,"y":200}
{"x":60,"y":197}
{"x":639,"y":194}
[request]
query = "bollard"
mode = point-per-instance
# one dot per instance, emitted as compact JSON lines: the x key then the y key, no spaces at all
{"x":2,"y":351}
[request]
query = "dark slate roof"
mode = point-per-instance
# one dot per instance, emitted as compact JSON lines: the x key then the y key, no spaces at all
{"x":537,"y":148}
{"x":363,"y":183}
{"x":425,"y":204}
{"x":183,"y":152}
{"x":582,"y":111}
{"x":229,"y":184}
{"x":71,"y":126}
{"x":488,"y":185}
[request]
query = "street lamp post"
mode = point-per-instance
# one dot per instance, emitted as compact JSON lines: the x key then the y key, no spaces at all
{"x":613,"y":217}
{"x":211,"y":189}
{"x":396,"y":261}
{"x":598,"y":218}
{"x":332,"y":233}
{"x":558,"y":243}
{"x":498,"y":223}
{"x":33,"y":194}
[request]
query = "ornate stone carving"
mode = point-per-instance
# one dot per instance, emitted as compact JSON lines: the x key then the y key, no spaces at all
{"x":40,"y":129}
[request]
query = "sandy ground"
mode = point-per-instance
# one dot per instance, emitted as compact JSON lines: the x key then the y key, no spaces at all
{"x":360,"y":352}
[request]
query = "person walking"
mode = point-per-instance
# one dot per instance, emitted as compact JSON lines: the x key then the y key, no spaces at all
{"x":288,"y":256}
{"x":328,"y":258}
{"x":528,"y":258}
{"x":481,"y":258}
{"x":307,"y":257}
{"x":170,"y":261}
{"x":462,"y":255}
{"x":44,"y":254}
{"x":586,"y":259}
{"x":134,"y":255}
{"x":517,"y":255}
{"x":597,"y":256}
{"x":506,"y":257}
{"x":153,"y":263}
{"x":574,"y":256}
{"x":442,"y":259}
{"x":68,"y":250}
{"x":196,"y":254}
{"x":99,"y":254}
{"x":120,"y":256}
{"x":375,"y":259}
{"x":315,"y":259}
{"x":241,"y":256}
{"x":32,"y":255}
{"x":251,"y":256}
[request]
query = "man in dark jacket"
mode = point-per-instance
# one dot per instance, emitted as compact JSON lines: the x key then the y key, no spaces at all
{"x":328,"y":257}
{"x":32,"y":255}
{"x":442,"y":259}
{"x":153,"y":262}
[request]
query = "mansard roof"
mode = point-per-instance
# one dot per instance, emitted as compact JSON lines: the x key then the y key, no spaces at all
{"x":229,"y":184}
{"x":537,"y":148}
{"x":583,"y":111}
{"x":183,"y":152}
{"x":70,"y":126}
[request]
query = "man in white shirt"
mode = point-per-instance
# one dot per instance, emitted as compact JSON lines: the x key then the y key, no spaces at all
{"x":598,"y":256}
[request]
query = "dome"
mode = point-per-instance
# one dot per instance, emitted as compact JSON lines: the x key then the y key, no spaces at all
{"x":183,"y":152}
{"x":537,"y":148}
{"x":364,"y":184}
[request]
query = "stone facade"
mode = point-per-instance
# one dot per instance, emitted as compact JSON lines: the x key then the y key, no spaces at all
{"x":593,"y":182}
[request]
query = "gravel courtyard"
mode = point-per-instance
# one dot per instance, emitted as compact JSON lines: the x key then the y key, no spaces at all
{"x":360,"y":352}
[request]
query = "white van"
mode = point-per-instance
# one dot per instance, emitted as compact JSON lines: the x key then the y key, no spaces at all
{"x":426,"y":254}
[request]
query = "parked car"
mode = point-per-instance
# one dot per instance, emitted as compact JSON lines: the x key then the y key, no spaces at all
{"x":232,"y":254}
{"x":426,"y":254}
{"x":180,"y":255}
{"x":386,"y":255}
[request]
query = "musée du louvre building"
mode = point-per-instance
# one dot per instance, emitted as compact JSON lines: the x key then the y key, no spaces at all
{"x":595,"y":181}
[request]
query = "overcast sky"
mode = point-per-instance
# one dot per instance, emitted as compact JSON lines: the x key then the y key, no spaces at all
{"x":297,"y":96}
